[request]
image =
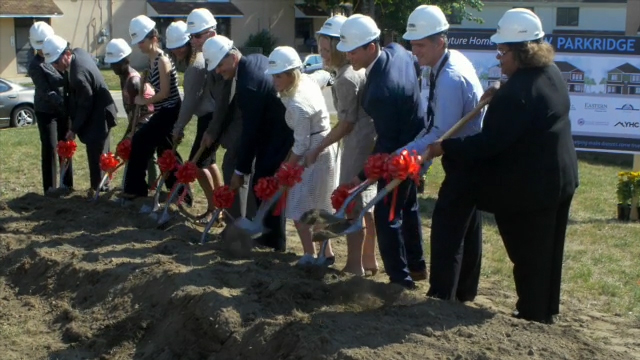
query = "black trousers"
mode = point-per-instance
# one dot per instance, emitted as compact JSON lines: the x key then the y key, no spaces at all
{"x":275,"y":237}
{"x":208,"y":156}
{"x":456,"y":238}
{"x":95,"y":148}
{"x":52,"y":129}
{"x":400,"y":240}
{"x":535,"y":244}
{"x":155,"y":135}
{"x":244,"y":203}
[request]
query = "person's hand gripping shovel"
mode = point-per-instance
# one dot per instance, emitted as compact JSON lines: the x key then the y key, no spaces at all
{"x":399,"y":168}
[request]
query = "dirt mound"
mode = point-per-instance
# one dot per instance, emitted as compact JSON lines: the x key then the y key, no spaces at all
{"x":100,"y":281}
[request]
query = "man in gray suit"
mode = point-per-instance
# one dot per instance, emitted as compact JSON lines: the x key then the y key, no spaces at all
{"x":87,"y":99}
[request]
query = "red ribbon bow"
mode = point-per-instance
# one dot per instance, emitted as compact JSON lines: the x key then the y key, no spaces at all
{"x":402,"y":166}
{"x":339,"y":196}
{"x":223,"y":197}
{"x":66,"y":149}
{"x":124,"y":149}
{"x":375,"y":167}
{"x":187,"y":173}
{"x":168,"y":161}
{"x":288,"y":176}
{"x":266,"y":188}
{"x":109,"y":163}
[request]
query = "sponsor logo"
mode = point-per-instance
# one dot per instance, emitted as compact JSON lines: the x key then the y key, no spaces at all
{"x":628,"y":124}
{"x":582,"y":122}
{"x":595,"y":107}
{"x":627,"y":108}
{"x":573,"y":107}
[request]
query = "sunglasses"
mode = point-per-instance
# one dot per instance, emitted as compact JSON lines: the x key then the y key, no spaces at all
{"x":502,"y":53}
{"x":199,"y":35}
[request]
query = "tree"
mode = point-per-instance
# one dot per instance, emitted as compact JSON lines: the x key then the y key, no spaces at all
{"x":391,"y":15}
{"x":589,"y":82}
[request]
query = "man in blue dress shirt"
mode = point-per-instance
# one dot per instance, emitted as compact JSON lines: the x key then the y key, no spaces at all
{"x":453,"y":91}
{"x":391,"y":97}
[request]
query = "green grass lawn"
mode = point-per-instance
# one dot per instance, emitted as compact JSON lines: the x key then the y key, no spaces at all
{"x":601,"y":267}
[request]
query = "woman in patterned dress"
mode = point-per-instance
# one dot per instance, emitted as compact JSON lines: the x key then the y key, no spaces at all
{"x":355,"y":129}
{"x":308,"y":116}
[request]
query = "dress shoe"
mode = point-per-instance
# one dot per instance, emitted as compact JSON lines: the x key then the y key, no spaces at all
{"x":549,"y":320}
{"x":420,"y":275}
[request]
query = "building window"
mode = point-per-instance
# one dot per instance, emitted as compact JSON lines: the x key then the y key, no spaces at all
{"x":635,"y":78}
{"x":576,"y":76}
{"x":577,"y":88}
{"x":614,"y":77}
{"x":567,"y":16}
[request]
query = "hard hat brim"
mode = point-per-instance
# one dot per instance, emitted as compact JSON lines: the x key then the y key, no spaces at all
{"x":341,"y":46}
{"x":320,"y":32}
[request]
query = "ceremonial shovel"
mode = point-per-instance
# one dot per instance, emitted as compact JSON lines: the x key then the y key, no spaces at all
{"x":155,"y":206}
{"x":343,"y":227}
{"x":165,"y":217}
{"x":254,"y":228}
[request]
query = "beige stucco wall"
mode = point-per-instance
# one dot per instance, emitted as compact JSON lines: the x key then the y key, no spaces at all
{"x":633,"y":17}
{"x":277,"y":16}
{"x":8,"y":66}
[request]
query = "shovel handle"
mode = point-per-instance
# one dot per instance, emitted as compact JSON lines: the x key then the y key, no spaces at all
{"x":465,"y":119}
{"x":356,"y":191}
{"x":381,"y":194}
{"x":196,"y":157}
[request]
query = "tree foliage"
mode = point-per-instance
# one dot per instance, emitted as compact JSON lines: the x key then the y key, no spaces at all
{"x":391,"y":15}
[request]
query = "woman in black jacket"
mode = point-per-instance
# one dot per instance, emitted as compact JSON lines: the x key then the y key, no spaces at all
{"x":527,"y":164}
{"x":49,"y":106}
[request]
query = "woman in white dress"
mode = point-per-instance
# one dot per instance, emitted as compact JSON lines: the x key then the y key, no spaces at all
{"x":308,"y":116}
{"x":357,"y":132}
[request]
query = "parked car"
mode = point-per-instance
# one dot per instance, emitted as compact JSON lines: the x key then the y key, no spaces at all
{"x":312,"y":63}
{"x":16,"y":105}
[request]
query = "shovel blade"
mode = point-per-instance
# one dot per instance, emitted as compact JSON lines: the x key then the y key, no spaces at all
{"x":251,"y":228}
{"x":320,"y":217}
{"x":164,"y":219}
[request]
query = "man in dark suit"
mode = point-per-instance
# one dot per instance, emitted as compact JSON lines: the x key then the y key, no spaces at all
{"x":265,"y":139}
{"x":88,"y":101}
{"x":391,"y":98}
{"x":225,"y":130}
{"x":527,"y":164}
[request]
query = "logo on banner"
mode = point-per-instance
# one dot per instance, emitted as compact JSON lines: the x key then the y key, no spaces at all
{"x":582,"y":122}
{"x":628,"y":124}
{"x":573,"y":107}
{"x":627,"y":108}
{"x":595,"y":107}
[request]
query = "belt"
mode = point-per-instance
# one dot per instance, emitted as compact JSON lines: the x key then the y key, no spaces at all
{"x":318,"y":132}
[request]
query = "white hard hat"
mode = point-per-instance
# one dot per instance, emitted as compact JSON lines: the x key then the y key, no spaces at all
{"x":116,"y":50}
{"x":214,"y":49}
{"x":356,"y":31}
{"x":518,"y":25}
{"x":139,"y":27}
{"x":200,"y":20}
{"x":425,"y":20}
{"x":38,"y":32}
{"x":283,"y":58}
{"x":53,"y":47}
{"x":176,"y":35}
{"x":332,"y":26}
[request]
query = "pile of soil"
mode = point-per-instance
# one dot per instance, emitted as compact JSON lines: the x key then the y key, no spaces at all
{"x":99,"y":281}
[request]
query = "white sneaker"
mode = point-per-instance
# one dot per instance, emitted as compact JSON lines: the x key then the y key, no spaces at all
{"x":307,"y":259}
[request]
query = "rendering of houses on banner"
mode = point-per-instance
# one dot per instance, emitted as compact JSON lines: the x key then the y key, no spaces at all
{"x":624,"y":79}
{"x":572,"y":75}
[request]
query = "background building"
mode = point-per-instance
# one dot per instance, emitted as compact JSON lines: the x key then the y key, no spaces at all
{"x":90,"y":24}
